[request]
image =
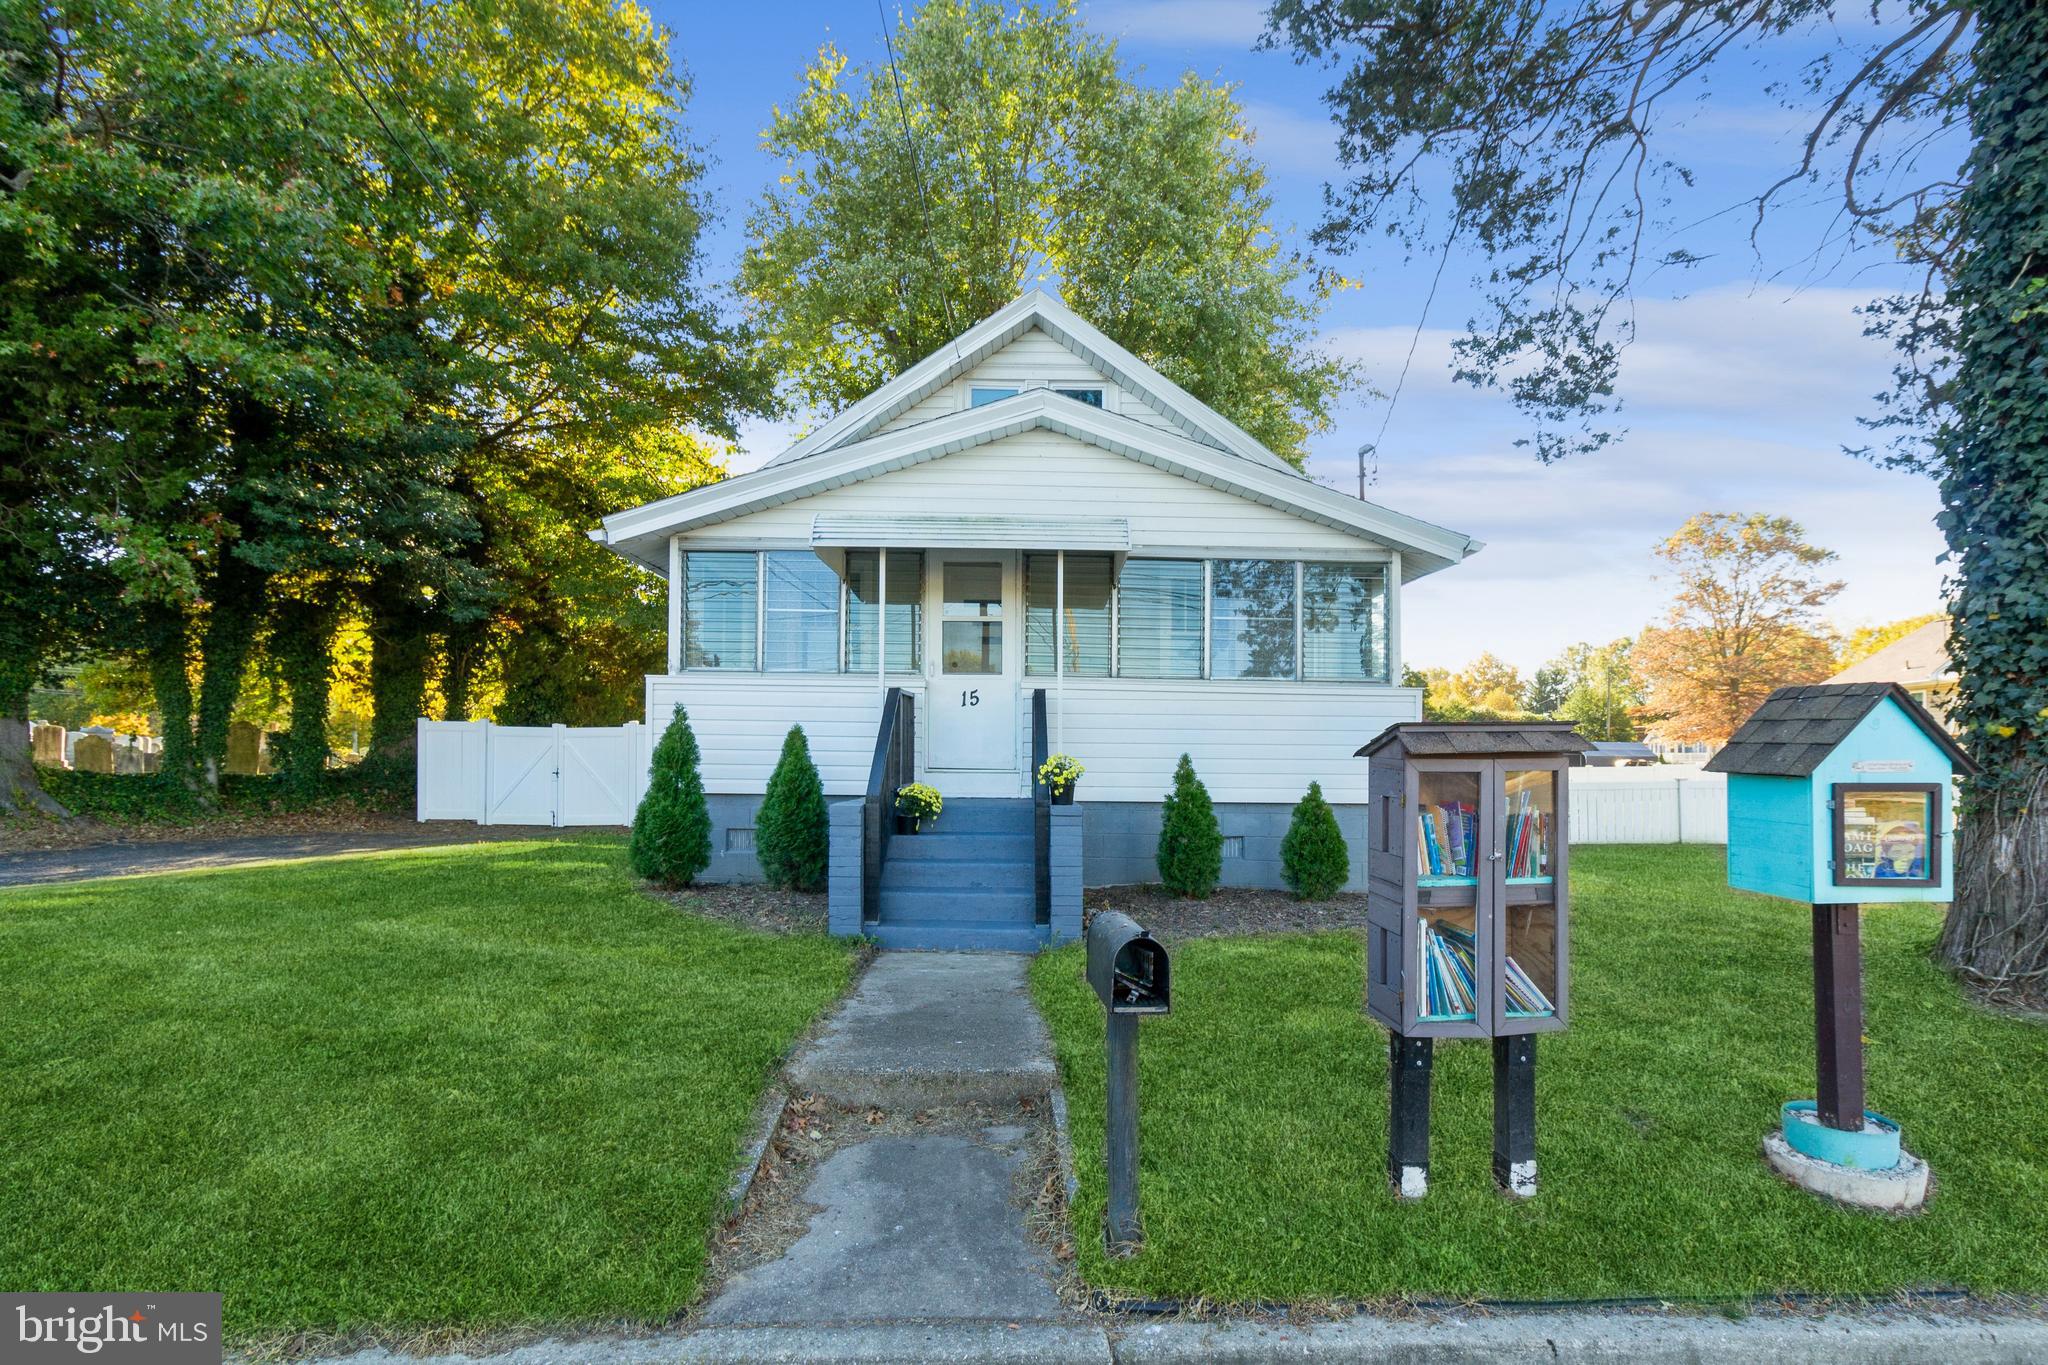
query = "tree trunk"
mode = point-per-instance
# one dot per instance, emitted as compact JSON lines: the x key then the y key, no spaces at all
{"x":464,"y":647}
{"x":304,"y":636}
{"x":400,"y":643}
{"x":1993,"y":452}
{"x":1997,"y":933}
{"x":235,"y":606}
{"x":20,"y":790}
{"x":166,"y":636}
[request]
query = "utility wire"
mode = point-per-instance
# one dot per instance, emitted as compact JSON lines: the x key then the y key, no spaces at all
{"x":1371,"y":450}
{"x":916,"y":166}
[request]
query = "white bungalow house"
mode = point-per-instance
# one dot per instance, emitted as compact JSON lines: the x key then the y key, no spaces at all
{"x":1054,"y":526}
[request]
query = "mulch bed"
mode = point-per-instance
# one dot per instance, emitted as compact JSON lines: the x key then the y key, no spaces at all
{"x":1228,"y":910}
{"x":756,"y":907}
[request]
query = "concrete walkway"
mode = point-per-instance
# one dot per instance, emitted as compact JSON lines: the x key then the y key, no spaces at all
{"x":926,"y":1226}
{"x":42,"y":866}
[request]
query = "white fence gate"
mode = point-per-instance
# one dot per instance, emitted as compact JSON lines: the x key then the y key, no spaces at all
{"x":1667,"y":804}
{"x":530,"y":774}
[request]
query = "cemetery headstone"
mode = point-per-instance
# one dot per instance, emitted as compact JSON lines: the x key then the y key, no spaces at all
{"x":93,"y":754}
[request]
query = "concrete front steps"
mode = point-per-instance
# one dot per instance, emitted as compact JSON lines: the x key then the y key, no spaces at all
{"x":967,"y":882}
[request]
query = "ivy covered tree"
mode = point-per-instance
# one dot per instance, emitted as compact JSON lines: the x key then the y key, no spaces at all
{"x":1540,"y":124}
{"x":1037,"y":156}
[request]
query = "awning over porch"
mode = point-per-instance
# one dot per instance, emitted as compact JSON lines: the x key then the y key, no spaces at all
{"x":922,"y":532}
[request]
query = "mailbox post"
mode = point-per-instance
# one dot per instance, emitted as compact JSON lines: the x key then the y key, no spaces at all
{"x":1840,"y":796}
{"x":1130,"y":974}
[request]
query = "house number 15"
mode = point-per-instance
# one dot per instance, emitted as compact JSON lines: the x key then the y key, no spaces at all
{"x":971,"y":697}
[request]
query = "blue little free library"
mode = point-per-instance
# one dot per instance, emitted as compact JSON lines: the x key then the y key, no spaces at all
{"x":1841,"y":795}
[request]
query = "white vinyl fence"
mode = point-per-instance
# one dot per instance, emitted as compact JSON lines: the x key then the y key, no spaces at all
{"x":531,"y":774}
{"x":1667,"y":804}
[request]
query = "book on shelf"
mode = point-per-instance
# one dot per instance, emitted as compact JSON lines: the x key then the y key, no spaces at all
{"x":1524,"y":996}
{"x":1450,"y":970}
{"x":1447,"y":839}
{"x":1528,"y":839}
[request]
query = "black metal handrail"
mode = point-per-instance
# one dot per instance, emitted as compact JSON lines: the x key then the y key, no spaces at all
{"x":895,"y":756}
{"x":1041,"y":809}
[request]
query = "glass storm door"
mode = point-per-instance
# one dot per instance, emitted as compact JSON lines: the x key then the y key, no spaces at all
{"x":978,"y":645}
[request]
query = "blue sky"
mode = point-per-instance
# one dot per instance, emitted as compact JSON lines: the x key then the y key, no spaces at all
{"x":1743,"y":386}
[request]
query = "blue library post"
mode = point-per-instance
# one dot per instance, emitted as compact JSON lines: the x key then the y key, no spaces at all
{"x":1842,"y":795}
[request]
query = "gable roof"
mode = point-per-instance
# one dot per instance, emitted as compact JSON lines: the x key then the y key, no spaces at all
{"x":1041,"y":309}
{"x":1798,"y":727}
{"x":641,"y":533}
{"x":1918,"y":657}
{"x":1455,"y":739}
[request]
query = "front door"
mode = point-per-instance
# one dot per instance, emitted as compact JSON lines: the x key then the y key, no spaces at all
{"x":973,"y":665}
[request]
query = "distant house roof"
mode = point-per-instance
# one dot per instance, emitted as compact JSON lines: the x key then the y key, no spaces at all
{"x":1797,"y":727}
{"x":1915,"y":659}
{"x":1458,"y":738}
{"x":1609,"y":752}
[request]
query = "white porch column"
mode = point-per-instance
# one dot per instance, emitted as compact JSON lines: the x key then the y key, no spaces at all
{"x":1059,"y":654}
{"x":675,"y":604}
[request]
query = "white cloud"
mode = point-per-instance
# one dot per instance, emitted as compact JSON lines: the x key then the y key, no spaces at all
{"x":1211,"y":23}
{"x":1289,"y":141}
{"x":1738,"y":399}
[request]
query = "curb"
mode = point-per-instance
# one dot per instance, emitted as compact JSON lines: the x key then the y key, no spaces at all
{"x":899,"y":1344}
{"x":1830,"y":1339}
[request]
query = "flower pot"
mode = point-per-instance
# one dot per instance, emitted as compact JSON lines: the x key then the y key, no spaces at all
{"x":907,"y":824}
{"x":1064,"y":796}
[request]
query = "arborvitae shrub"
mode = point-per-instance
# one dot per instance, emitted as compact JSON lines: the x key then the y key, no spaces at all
{"x":671,"y":840}
{"x":1313,"y":857}
{"x":1190,"y":840}
{"x":791,"y":834}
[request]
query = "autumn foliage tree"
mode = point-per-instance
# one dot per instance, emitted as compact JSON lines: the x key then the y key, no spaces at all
{"x":1745,"y":621}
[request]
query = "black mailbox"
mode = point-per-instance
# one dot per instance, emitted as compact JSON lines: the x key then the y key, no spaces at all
{"x":1127,"y":966}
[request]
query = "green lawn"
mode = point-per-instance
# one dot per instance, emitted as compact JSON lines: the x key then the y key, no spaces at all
{"x":462,"y":1087}
{"x":1264,"y":1117}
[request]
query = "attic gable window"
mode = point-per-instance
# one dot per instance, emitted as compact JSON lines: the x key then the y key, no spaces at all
{"x":1092,"y":397}
{"x":980,"y":396}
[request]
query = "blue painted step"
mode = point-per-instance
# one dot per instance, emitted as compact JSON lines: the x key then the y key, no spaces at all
{"x":962,"y":874}
{"x":958,"y":936}
{"x":981,"y":815}
{"x":1019,"y":904}
{"x":941,"y":848}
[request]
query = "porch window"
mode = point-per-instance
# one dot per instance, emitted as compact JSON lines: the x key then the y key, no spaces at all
{"x":1344,"y":622}
{"x":1084,"y":630}
{"x":721,"y":600}
{"x":1251,"y":618}
{"x":906,"y":610}
{"x":1159,"y":619}
{"x":800,"y":613}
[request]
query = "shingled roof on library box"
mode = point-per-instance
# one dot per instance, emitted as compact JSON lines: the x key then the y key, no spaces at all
{"x":1796,"y":728}
{"x":1454,"y":738}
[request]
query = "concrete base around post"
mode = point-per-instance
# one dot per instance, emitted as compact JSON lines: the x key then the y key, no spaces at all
{"x":1412,"y":1182}
{"x":1902,"y":1189}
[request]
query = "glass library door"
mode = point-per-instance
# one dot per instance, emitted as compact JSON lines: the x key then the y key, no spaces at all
{"x":1531,"y":946}
{"x":1452,"y":952}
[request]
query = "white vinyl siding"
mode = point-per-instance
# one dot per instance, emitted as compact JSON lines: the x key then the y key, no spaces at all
{"x":1041,"y":473}
{"x":1250,"y":741}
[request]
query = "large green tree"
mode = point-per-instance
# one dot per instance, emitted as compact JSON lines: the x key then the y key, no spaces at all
{"x":1015,"y":149}
{"x":1532,"y":130}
